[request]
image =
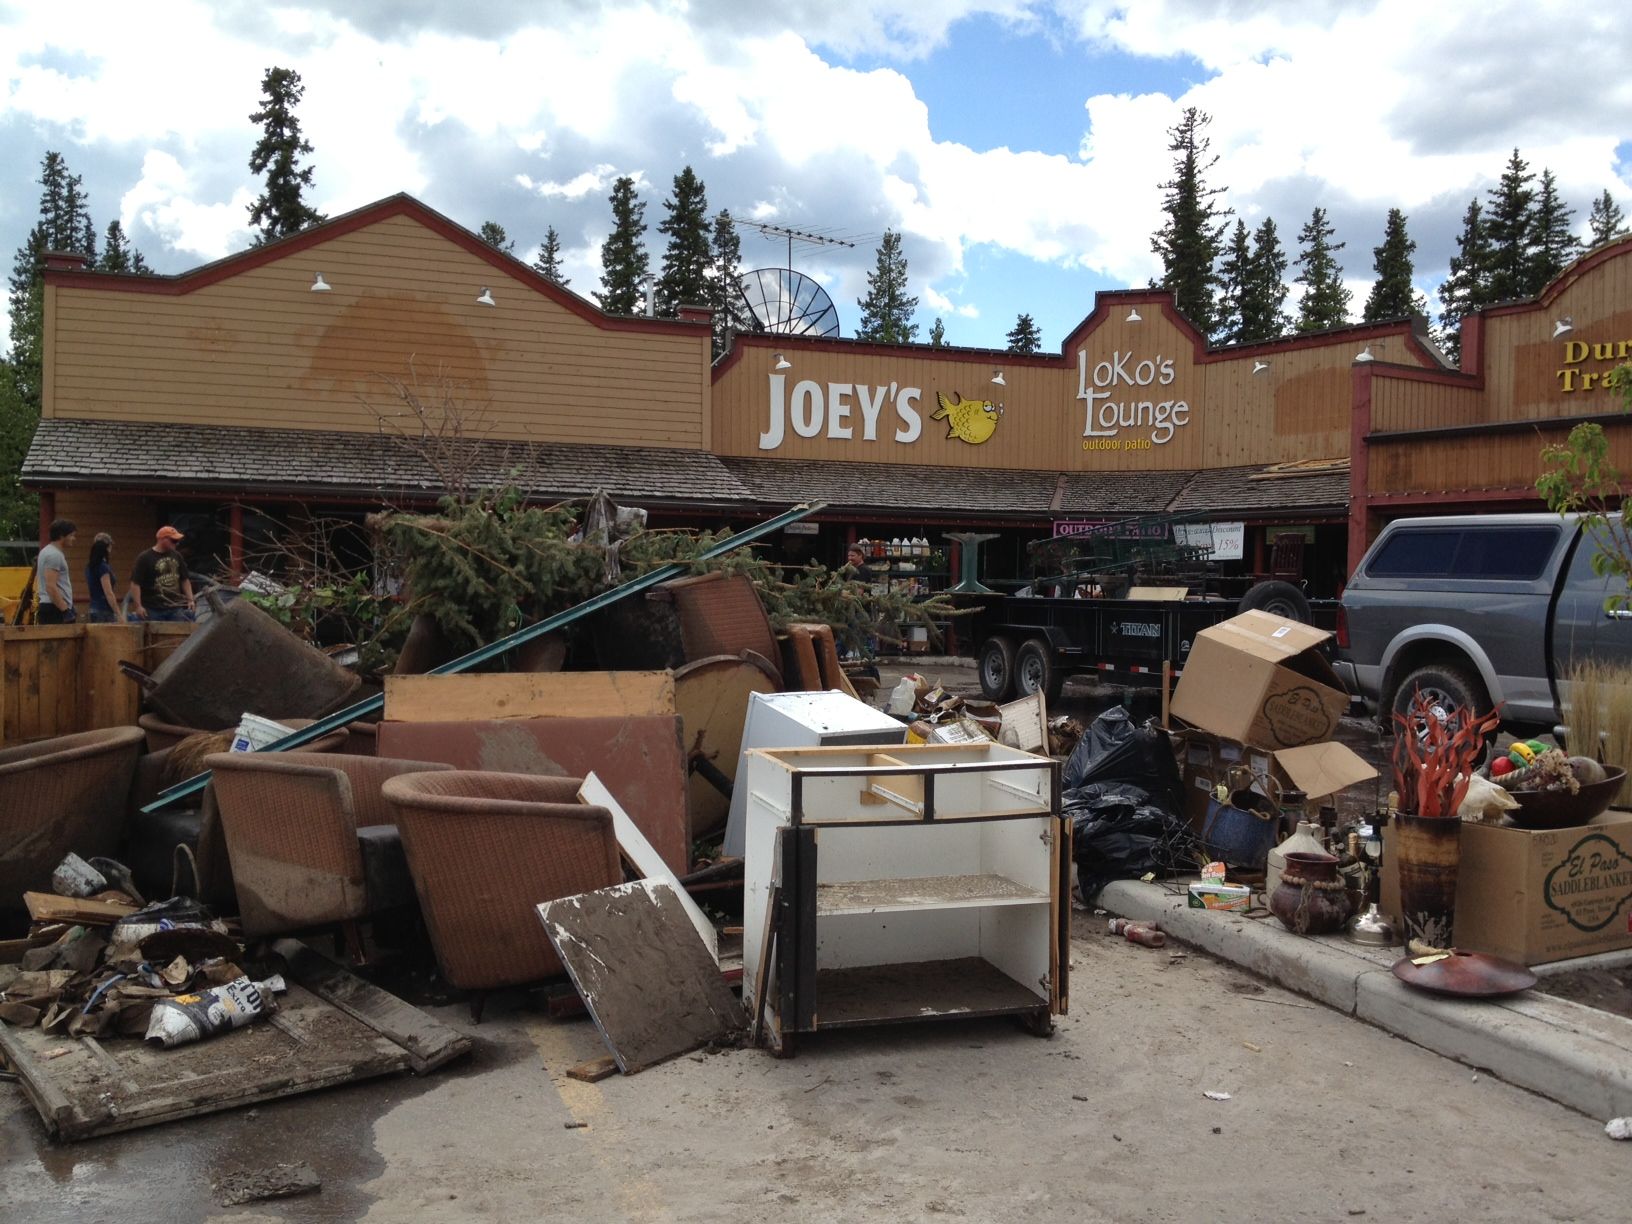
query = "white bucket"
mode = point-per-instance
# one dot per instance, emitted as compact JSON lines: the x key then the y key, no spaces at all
{"x":255,"y":732}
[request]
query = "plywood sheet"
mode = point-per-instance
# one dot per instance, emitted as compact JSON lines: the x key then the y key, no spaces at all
{"x":486,"y":696}
{"x":639,"y":759}
{"x":638,"y":851}
{"x":649,"y":983}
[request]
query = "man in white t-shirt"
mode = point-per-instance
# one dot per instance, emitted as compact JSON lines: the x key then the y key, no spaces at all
{"x":51,"y":581}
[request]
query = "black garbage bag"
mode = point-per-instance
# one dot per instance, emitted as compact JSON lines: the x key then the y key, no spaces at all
{"x":1122,"y":794}
{"x":1116,"y":749}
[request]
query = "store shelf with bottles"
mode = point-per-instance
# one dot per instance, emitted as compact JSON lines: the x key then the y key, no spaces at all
{"x":911,"y":566}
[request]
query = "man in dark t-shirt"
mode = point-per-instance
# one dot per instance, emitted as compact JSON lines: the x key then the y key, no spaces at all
{"x":161,"y":589}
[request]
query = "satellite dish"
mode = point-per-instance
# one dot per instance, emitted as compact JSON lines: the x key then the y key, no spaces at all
{"x":788,"y":303}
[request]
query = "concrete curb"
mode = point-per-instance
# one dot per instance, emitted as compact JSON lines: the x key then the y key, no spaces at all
{"x":1570,"y":1053}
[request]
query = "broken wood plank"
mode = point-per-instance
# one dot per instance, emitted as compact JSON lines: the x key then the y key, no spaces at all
{"x":428,"y":1042}
{"x":650,"y":985}
{"x":83,"y":911}
{"x":594,"y":1071}
{"x":481,"y":697}
{"x":639,"y":853}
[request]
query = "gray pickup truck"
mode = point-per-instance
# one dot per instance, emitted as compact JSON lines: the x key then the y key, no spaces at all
{"x":1476,"y":610}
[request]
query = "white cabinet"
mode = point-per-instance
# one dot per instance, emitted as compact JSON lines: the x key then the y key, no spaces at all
{"x":903,"y":883}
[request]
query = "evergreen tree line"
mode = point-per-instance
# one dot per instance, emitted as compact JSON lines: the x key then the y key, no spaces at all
{"x":1234,"y":289}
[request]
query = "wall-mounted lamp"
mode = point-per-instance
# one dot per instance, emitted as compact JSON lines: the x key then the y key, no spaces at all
{"x":997,"y":378}
{"x":782,"y":363}
{"x":1258,"y":367}
{"x":319,"y":285}
{"x":485,"y":297}
{"x":1563,"y":326}
{"x":1365,"y":354}
{"x":1134,"y":315}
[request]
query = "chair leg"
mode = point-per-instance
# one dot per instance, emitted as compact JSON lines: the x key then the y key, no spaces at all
{"x":478,"y":1000}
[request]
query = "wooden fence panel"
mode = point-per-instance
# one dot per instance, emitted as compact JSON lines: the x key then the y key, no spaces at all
{"x":59,"y":679}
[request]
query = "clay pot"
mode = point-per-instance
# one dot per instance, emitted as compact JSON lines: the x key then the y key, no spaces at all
{"x":1311,"y":898}
{"x":1429,"y":850}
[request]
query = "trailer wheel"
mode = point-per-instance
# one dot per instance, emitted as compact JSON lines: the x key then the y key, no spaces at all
{"x":997,"y":669}
{"x":1278,"y":598}
{"x":1035,"y":671}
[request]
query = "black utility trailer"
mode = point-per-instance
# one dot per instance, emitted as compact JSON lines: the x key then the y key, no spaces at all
{"x":1033,"y":643}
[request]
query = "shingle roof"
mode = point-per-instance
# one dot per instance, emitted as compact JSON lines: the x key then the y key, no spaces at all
{"x":67,"y":452}
{"x":1120,"y":492}
{"x":971,"y":492}
{"x":1234,"y":489}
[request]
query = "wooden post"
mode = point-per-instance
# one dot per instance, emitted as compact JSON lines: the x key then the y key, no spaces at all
{"x":48,"y":511}
{"x":1167,"y":683}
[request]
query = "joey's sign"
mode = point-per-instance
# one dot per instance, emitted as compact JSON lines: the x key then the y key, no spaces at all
{"x":1128,"y":403}
{"x":841,"y":410}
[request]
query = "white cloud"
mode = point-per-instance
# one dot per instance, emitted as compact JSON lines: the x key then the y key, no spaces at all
{"x":162,"y":201}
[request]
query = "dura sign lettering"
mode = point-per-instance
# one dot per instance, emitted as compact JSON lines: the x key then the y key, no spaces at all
{"x":1113,"y":392}
{"x":840,"y":410}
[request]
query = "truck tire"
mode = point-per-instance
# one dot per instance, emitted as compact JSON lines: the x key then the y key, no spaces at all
{"x":997,"y":669}
{"x":1278,"y":598}
{"x":1036,"y":672}
{"x":1453,"y":688}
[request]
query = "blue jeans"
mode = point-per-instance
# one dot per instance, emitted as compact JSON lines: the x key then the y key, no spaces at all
{"x":170,"y":614}
{"x":104,"y":618}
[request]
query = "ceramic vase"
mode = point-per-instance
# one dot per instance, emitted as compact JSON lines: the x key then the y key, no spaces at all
{"x":1429,"y":851}
{"x":1311,"y":898}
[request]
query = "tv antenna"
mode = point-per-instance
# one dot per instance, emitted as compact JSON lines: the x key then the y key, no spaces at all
{"x":794,"y":235}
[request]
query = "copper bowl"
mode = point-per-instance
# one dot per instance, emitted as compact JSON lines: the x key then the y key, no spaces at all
{"x":1562,"y":810}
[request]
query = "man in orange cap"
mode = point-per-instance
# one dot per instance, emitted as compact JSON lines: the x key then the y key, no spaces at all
{"x":161,"y":589}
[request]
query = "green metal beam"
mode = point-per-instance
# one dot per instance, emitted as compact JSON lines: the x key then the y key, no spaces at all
{"x":492,"y":650}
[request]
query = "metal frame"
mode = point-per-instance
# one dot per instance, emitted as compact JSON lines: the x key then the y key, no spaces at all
{"x":493,"y":650}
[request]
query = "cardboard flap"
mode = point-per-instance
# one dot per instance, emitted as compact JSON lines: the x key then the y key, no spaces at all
{"x":1266,"y":636}
{"x":1319,"y":770}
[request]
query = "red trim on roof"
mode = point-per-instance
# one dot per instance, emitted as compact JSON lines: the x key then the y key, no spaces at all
{"x":400,"y":205}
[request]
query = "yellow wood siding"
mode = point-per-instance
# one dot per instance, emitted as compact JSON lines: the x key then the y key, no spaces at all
{"x":259,"y":348}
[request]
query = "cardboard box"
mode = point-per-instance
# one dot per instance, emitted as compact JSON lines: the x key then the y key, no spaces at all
{"x":1318,"y":770}
{"x":1537,"y":895}
{"x":1262,"y":680}
{"x":1236,"y":897}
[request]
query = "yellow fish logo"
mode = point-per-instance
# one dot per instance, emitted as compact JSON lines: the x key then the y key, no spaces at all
{"x":972,"y":420}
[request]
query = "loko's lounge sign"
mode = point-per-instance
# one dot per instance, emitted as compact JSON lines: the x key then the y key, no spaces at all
{"x":1127,"y":401}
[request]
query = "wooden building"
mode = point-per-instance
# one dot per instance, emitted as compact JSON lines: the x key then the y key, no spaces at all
{"x":389,"y":354}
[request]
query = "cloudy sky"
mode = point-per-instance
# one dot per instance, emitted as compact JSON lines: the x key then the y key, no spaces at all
{"x":1017,"y":144}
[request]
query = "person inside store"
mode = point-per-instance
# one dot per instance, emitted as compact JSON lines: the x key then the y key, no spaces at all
{"x":161,"y":589}
{"x":855,"y":562}
{"x":56,"y":589}
{"x":105,"y":609}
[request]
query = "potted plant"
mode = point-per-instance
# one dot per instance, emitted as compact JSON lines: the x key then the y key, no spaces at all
{"x":1434,"y":760}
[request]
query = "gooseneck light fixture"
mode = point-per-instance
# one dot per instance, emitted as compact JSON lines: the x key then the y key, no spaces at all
{"x":997,"y":378}
{"x":485,"y":297}
{"x":319,"y":285}
{"x":782,"y":363}
{"x":1134,"y":316}
{"x":1564,"y":326}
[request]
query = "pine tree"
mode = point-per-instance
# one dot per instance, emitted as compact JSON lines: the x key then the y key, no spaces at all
{"x":64,"y":225}
{"x":731,"y":313}
{"x":1235,"y":280}
{"x":1554,"y":245}
{"x":1392,"y":296}
{"x":623,"y":254}
{"x":1467,"y":286}
{"x":119,"y":255}
{"x":1325,"y":302}
{"x":886,"y":311}
{"x":19,"y":510}
{"x":548,"y":262}
{"x":1606,"y":221}
{"x":281,"y":208}
{"x":493,"y":234}
{"x":684,"y":279}
{"x":937,"y":334}
{"x":1024,"y":338}
{"x":1263,"y":306}
{"x":1510,"y":224}
{"x":1192,"y":237}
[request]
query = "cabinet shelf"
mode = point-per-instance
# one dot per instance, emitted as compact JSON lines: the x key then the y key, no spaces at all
{"x":923,"y":892}
{"x":877,"y":994}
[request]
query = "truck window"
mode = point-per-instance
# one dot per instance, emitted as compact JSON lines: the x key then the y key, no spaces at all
{"x":1415,"y":554}
{"x":1516,"y":554}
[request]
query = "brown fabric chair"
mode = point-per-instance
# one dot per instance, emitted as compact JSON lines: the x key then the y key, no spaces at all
{"x":58,"y":795}
{"x":309,"y":837}
{"x":162,"y":735}
{"x":484,"y":849}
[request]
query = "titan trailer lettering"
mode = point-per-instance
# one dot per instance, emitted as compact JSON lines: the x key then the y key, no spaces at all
{"x":812,"y":409}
